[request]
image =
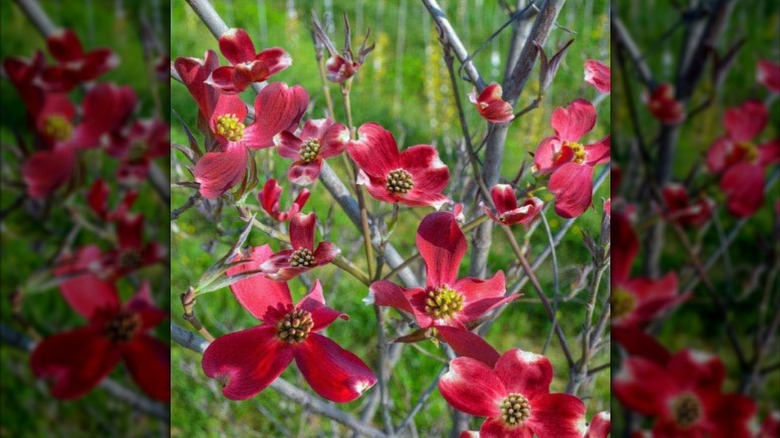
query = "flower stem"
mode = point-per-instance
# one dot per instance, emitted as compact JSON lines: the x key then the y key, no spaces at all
{"x":326,"y":89}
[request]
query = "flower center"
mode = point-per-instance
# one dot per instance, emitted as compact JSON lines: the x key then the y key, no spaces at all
{"x":578,"y":149}
{"x":399,"y":181}
{"x":744,"y":151}
{"x":443,"y":302}
{"x":515,"y":409}
{"x":302,"y":257}
{"x":130,"y":259}
{"x":123,"y":327}
{"x":137,"y":150}
{"x":58,"y":128}
{"x":229,"y":127}
{"x":294,"y":328}
{"x":622,"y":302}
{"x":686,"y":410}
{"x":310,"y":149}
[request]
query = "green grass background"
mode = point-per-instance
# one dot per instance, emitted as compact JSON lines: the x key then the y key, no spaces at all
{"x":404,"y":86}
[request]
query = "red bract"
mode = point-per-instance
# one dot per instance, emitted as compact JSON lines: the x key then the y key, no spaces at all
{"x":277,"y":108}
{"x":137,"y":146}
{"x":769,"y":75}
{"x":248,"y":66}
{"x":491,"y":106}
{"x":448,"y":306}
{"x":598,"y":75}
{"x":74,"y":66}
{"x":684,"y":212}
{"x":269,"y":199}
{"x":636,"y":301}
{"x":193,"y":73}
{"x":683,"y":395}
{"x":413,"y":177}
{"x":23,"y":74}
{"x":514,"y":395}
{"x":77,"y":360}
{"x":290,"y":263}
{"x":317,"y":140}
{"x":663,"y":105}
{"x":599,"y":426}
{"x":569,"y":162}
{"x":246,"y":362}
{"x":507,"y":210}
{"x":740,"y":161}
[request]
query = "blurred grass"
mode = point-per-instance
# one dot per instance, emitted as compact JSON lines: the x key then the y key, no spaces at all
{"x":28,"y":410}
{"x":403,"y":86}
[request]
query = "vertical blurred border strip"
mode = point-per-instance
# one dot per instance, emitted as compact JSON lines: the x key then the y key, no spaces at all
{"x":84,"y":202}
{"x":696,"y":131}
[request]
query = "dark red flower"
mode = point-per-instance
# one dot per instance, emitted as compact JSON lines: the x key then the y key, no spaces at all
{"x":413,"y":177}
{"x":318,"y":139}
{"x":290,"y":263}
{"x":684,"y":396}
{"x":77,"y":360}
{"x":137,"y":146}
{"x":741,"y":162}
{"x":569,"y":162}
{"x":448,"y":306}
{"x":247,"y":66}
{"x":23,"y":74}
{"x":597,"y":74}
{"x":769,"y":75}
{"x":507,"y":210}
{"x":97,"y":198}
{"x":131,"y":252}
{"x":277,"y":108}
{"x":514,"y":395}
{"x":664,"y":107}
{"x":269,"y":199}
{"x":491,"y":106}
{"x":246,"y":362}
{"x":599,"y":426}
{"x":193,"y":73}
{"x":74,"y":66}
{"x":684,"y":212}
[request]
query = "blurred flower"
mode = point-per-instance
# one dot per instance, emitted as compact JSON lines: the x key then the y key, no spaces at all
{"x":680,"y":208}
{"x":507,"y":210}
{"x":246,"y":362}
{"x":319,"y":139}
{"x":290,"y":263}
{"x":74,"y":65}
{"x":599,"y":426}
{"x":769,"y":75}
{"x":571,"y":163}
{"x":514,"y":395}
{"x":269,"y":199}
{"x":663,"y":105}
{"x":447,"y":305}
{"x":97,"y":198}
{"x":770,"y":428}
{"x":598,"y":75}
{"x":491,"y":106}
{"x":77,"y":360}
{"x":342,"y":65}
{"x":131,"y":252}
{"x":23,"y":74}
{"x":413,"y":177}
{"x":136,"y":147}
{"x":247,"y":67}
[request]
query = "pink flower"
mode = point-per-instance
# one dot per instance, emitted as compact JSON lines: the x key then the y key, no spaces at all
{"x":684,"y":212}
{"x":277,"y":108}
{"x":664,"y":107}
{"x":448,"y":307}
{"x":413,"y":177}
{"x":741,"y":162}
{"x":491,"y":106}
{"x":247,"y":66}
{"x":318,"y":140}
{"x":599,"y":427}
{"x":514,"y":395}
{"x":290,"y":263}
{"x":571,"y":163}
{"x":74,"y":66}
{"x":137,"y":146}
{"x":769,"y":75}
{"x":508,"y":212}
{"x":246,"y":362}
{"x":269,"y":199}
{"x":598,"y":75}
{"x":77,"y":360}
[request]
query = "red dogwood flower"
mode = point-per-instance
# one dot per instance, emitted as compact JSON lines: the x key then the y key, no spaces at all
{"x":682,"y":210}
{"x":136,"y":147}
{"x":290,"y":263}
{"x":448,"y":306}
{"x":269,"y":199}
{"x":663,"y":105}
{"x":413,"y":177}
{"x":247,"y":66}
{"x":599,"y":426}
{"x":683,"y":393}
{"x":569,"y":162}
{"x":507,"y":210}
{"x":193,"y":73}
{"x":741,"y":162}
{"x":77,"y":360}
{"x":597,"y":74}
{"x":318,"y":139}
{"x":277,"y":108}
{"x":74,"y":65}
{"x":514,"y":395}
{"x":491,"y":106}
{"x":246,"y":362}
{"x":769,"y":75}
